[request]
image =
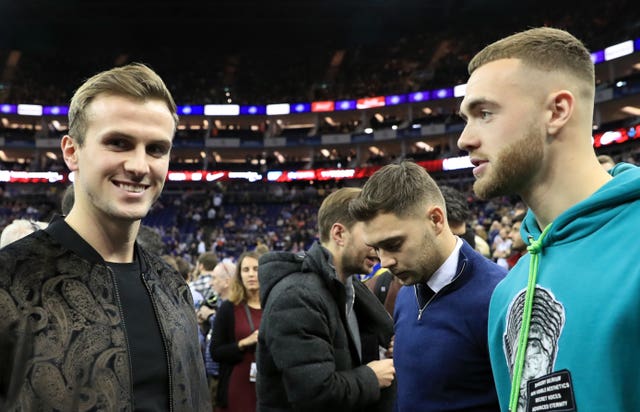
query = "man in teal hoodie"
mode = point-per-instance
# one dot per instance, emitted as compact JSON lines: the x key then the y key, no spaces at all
{"x":564,"y":325}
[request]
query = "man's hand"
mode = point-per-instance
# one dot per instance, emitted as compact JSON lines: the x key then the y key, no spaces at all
{"x":384,"y":370}
{"x":389,"y":353}
{"x":204,"y":312}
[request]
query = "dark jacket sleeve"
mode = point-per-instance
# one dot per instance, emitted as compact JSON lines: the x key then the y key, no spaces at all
{"x":301,"y":318}
{"x":375,"y":323}
{"x":224,"y":347}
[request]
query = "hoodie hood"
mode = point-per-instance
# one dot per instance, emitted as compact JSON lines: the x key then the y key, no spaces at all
{"x":580,"y":220}
{"x":275,"y":266}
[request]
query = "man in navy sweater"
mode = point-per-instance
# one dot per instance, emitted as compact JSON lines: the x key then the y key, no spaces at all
{"x":440,"y":349}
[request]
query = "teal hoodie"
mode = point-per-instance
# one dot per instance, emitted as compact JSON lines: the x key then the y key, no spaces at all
{"x":583,"y":346}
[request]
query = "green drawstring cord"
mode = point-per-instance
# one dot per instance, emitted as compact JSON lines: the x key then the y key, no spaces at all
{"x":535,"y":248}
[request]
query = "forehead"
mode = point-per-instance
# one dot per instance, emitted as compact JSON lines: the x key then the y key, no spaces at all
{"x":488,"y":81}
{"x":386,"y":226}
{"x":249,"y":262}
{"x":120,"y":114}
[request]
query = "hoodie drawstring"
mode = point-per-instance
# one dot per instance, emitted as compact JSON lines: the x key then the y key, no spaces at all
{"x":535,"y":248}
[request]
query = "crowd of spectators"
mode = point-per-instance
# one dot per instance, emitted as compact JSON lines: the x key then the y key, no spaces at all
{"x":229,"y":218}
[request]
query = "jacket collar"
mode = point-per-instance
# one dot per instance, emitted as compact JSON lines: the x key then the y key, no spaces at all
{"x":60,"y":230}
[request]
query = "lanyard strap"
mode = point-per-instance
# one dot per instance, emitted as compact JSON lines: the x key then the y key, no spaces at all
{"x":535,"y":248}
{"x":246,"y":310}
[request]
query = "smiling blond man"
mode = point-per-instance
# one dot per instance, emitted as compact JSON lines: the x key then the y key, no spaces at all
{"x":91,"y":319}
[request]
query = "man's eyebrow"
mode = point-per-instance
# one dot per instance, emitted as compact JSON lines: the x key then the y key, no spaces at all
{"x":471,"y":105}
{"x":388,"y":241}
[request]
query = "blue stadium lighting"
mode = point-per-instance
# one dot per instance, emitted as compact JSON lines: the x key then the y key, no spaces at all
{"x":419,"y":96}
{"x":8,"y":108}
{"x":55,"y":110}
{"x":253,"y":110}
{"x":443,"y":93}
{"x":190,"y":110}
{"x":395,"y":99}
{"x":346,"y":104}
{"x":301,"y":107}
{"x":597,"y":57}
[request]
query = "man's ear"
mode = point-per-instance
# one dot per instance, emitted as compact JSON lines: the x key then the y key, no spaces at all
{"x":69,"y":152}
{"x":337,"y":233}
{"x":436,"y":217}
{"x":560,"y":105}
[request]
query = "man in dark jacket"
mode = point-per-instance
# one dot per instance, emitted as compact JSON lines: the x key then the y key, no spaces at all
{"x":90,"y":320}
{"x":322,"y":329}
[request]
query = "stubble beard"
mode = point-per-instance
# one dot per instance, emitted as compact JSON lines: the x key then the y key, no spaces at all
{"x":513,"y":168}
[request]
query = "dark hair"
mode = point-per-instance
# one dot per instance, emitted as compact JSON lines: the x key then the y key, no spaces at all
{"x":456,"y":205}
{"x":398,"y":188}
{"x":209,"y":260}
{"x":335,"y":209}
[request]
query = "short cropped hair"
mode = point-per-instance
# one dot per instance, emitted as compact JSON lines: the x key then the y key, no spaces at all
{"x":456,"y":205}
{"x":208,"y":260}
{"x":335,"y":209}
{"x":135,"y":80}
{"x":399,"y":188}
{"x":543,"y":48}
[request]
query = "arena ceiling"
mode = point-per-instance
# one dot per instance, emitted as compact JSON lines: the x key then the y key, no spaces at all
{"x":91,"y":24}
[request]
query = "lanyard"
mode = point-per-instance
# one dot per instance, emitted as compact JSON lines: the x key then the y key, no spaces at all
{"x":535,"y":248}
{"x":246,"y":310}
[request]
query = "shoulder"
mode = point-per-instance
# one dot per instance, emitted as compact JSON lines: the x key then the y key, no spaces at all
{"x":304,"y":287}
{"x":481,"y":265}
{"x":36,"y":253}
{"x":226,"y":307}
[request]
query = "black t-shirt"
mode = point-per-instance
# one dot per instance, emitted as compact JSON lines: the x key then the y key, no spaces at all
{"x":146,"y":348}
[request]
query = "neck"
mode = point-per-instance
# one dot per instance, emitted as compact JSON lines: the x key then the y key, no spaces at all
{"x":571,"y":176}
{"x":336,"y":260}
{"x":113,"y":239}
{"x":447,"y":246}
{"x":253,"y":300}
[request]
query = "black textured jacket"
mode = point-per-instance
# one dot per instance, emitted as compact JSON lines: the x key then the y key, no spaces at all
{"x":306,"y":358}
{"x":62,"y":338}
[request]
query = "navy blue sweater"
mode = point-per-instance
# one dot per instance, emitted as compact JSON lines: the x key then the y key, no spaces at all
{"x":442,"y":359}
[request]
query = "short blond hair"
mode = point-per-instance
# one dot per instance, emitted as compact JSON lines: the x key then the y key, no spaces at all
{"x":543,"y":48}
{"x":135,"y":80}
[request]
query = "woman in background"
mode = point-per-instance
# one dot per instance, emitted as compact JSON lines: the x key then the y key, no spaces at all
{"x":235,"y":334}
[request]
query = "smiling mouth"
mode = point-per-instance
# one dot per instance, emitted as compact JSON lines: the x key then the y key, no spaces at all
{"x":132,"y":187}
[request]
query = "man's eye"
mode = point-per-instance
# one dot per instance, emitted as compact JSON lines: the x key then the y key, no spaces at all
{"x":485,"y":114}
{"x":157,"y":150}
{"x":118,"y":144}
